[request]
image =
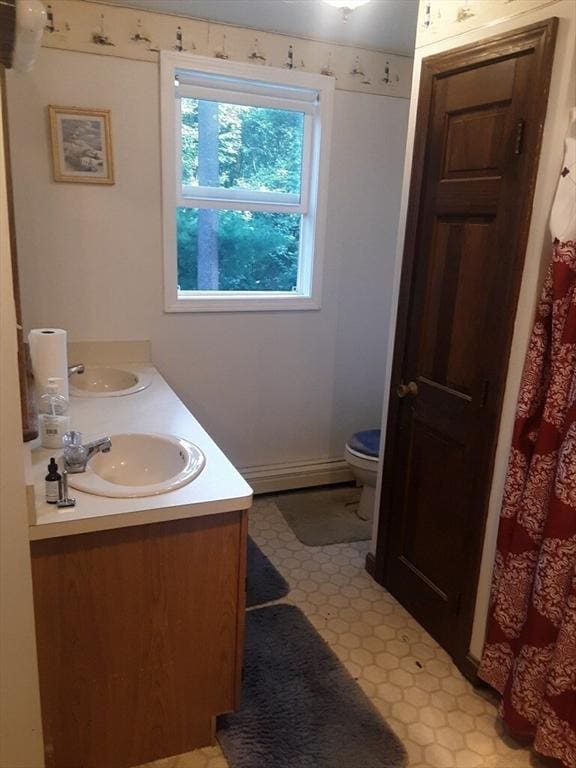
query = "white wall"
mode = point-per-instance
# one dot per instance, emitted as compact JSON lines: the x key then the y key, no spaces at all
{"x":269,"y":387}
{"x":20,"y":725}
{"x":562,"y":98}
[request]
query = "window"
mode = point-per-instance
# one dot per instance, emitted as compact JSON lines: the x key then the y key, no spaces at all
{"x":244,"y":164}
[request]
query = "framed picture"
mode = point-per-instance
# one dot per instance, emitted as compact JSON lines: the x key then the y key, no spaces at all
{"x":81,"y":145}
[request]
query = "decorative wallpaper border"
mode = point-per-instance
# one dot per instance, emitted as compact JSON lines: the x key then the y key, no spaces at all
{"x":110,"y":30}
{"x":441,"y":19}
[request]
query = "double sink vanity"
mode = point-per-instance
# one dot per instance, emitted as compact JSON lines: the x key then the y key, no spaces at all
{"x":139,"y":588}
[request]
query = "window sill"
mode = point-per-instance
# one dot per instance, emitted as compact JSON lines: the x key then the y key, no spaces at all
{"x":248,"y":302}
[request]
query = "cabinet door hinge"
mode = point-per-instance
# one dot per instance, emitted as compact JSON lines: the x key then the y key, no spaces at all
{"x":458,"y":603}
{"x":519,"y":138}
{"x":484,"y":394}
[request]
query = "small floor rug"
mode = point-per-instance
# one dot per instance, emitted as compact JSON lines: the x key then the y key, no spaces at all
{"x":265,"y":583}
{"x":325,"y":517}
{"x":300,"y":706}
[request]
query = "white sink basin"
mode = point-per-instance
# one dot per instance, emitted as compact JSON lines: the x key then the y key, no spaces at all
{"x":101,"y":381}
{"x":140,"y":464}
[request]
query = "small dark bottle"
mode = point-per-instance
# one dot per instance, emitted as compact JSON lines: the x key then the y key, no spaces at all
{"x":53,"y":483}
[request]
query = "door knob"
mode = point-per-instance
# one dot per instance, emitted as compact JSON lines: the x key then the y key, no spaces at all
{"x":403,"y":390}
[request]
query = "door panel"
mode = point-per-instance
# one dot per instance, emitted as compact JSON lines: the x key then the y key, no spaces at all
{"x":478,"y":134}
{"x":484,"y":84}
{"x":454,"y":308}
{"x":475,"y":142}
{"x":433,"y":457}
{"x":473,"y":197}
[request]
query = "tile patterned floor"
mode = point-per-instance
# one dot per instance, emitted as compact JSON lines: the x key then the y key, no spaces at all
{"x":442,"y":721}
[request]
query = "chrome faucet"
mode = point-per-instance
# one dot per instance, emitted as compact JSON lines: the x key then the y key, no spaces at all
{"x":77,"y":455}
{"x":78,"y":368}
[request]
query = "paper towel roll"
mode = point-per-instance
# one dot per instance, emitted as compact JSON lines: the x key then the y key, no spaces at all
{"x":49,"y":358}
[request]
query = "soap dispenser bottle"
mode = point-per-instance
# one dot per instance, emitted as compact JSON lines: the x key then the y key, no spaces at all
{"x":54,"y":419}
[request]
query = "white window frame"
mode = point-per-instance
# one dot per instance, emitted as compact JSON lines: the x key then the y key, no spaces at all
{"x":311,"y":94}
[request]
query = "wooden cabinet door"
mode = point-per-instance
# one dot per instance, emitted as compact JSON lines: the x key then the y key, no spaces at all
{"x":480,"y":116}
{"x":140,"y":638}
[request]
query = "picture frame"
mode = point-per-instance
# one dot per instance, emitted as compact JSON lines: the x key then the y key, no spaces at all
{"x":81,"y":145}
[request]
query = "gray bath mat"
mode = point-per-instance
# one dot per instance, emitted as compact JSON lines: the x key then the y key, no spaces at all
{"x":300,"y":707}
{"x":265,"y":583}
{"x":324,"y":517}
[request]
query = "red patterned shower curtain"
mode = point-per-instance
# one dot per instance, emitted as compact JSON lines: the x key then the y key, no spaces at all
{"x":530,"y":650}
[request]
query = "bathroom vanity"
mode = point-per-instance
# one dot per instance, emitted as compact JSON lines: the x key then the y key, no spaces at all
{"x":139,"y":602}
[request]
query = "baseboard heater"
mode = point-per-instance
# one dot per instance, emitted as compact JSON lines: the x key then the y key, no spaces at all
{"x":292,"y":475}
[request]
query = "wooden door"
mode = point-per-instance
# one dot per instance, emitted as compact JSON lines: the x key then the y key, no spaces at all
{"x":479,"y":125}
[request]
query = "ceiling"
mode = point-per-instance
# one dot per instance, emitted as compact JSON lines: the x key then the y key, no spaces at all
{"x":388,"y":25}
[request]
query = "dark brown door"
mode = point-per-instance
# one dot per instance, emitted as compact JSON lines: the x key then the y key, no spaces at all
{"x":480,"y":115}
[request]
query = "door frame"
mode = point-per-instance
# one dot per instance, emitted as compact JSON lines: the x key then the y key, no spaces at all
{"x":540,"y":36}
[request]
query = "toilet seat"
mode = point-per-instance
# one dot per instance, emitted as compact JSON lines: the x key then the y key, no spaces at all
{"x":361,"y":455}
{"x":360,"y":460}
{"x":366,"y":443}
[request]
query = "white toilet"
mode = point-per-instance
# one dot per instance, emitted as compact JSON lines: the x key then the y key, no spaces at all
{"x":361,"y":453}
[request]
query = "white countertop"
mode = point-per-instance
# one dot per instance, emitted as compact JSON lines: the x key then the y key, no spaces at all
{"x":219,"y":488}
